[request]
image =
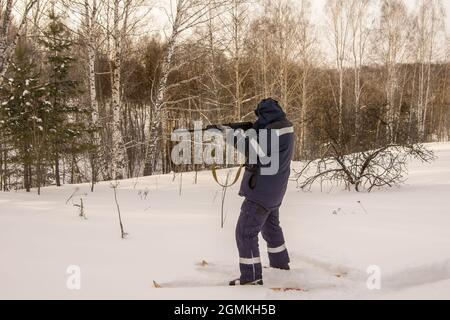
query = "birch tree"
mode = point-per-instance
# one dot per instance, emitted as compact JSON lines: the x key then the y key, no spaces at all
{"x":212,"y":83}
{"x":90,"y":16}
{"x":117,"y":151}
{"x":308,"y":52}
{"x":286,"y":47}
{"x":7,"y":47}
{"x":394,"y":36}
{"x":239,"y":17}
{"x":230,"y":38}
{"x":183,"y":15}
{"x":359,"y":38}
{"x":429,"y":25}
{"x":122,"y":19}
{"x":90,"y":22}
{"x":338,"y":25}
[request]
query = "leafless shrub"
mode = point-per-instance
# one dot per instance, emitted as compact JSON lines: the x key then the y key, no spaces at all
{"x":377,"y":168}
{"x":222,"y":204}
{"x":80,"y":206}
{"x":114,"y":186}
{"x":72,"y":195}
{"x":143,"y":194}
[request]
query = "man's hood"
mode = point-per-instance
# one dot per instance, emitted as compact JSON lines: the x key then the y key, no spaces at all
{"x":268,"y":111}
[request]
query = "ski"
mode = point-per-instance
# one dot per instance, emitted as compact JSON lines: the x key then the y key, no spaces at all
{"x":284,"y":289}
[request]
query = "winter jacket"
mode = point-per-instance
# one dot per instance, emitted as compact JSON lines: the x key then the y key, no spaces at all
{"x":259,"y":184}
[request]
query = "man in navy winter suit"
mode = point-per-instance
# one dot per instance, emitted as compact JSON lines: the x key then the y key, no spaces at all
{"x":264,"y":191}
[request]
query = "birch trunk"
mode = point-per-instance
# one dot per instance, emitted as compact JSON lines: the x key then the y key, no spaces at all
{"x":117,"y":150}
{"x":360,"y":36}
{"x":303,"y":111}
{"x":156,"y":124}
{"x":90,"y":16}
{"x":339,"y":24}
{"x":188,"y":13}
{"x":7,"y":49}
{"x":4,"y":47}
{"x":236,"y":18}
{"x":428,"y":20}
{"x":428,"y":79}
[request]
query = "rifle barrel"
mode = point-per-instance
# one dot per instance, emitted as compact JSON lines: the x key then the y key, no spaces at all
{"x":234,"y":126}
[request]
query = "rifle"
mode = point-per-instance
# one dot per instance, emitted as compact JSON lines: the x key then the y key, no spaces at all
{"x":234,"y":126}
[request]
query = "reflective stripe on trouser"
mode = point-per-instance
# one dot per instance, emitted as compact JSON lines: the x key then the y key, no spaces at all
{"x":273,"y":234}
{"x":252,"y":220}
{"x":277,"y":249}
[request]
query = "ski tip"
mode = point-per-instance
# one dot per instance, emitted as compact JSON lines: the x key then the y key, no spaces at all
{"x":340,"y":275}
{"x":202,"y":263}
{"x":156,"y":284}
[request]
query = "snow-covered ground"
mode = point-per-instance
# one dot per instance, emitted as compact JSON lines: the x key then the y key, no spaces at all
{"x":405,"y":232}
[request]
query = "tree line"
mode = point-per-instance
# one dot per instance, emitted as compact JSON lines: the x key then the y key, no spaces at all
{"x":89,"y":94}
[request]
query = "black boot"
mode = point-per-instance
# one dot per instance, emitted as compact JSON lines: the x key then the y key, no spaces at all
{"x":238,"y":282}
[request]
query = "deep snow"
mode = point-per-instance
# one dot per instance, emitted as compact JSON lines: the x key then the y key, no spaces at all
{"x":405,"y":231}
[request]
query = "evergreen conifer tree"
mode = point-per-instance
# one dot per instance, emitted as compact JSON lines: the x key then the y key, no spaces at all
{"x":66,"y":125}
{"x":22,"y":113}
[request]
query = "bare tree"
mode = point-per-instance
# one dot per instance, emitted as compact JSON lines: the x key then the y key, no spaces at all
{"x":394,"y":35}
{"x":117,"y":150}
{"x":90,"y":16}
{"x":429,"y":24}
{"x":114,"y":185}
{"x":185,"y":15}
{"x":90,"y":23}
{"x":261,"y":45}
{"x":238,"y":17}
{"x":286,"y":47}
{"x":339,"y":29}
{"x":7,"y":47}
{"x":118,"y":19}
{"x":308,"y":54}
{"x":385,"y":166}
{"x":359,"y":38}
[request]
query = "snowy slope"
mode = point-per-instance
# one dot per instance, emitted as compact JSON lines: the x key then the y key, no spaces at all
{"x":404,"y":231}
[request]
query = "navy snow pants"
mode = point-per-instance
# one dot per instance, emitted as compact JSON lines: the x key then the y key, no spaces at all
{"x":252,"y":220}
